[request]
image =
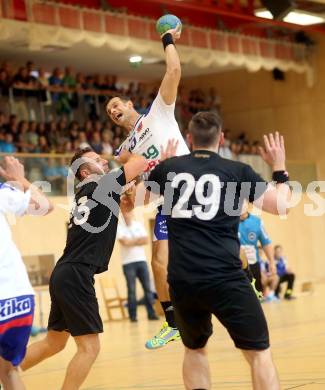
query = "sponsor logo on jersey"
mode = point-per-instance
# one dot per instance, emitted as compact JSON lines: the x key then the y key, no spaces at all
{"x":252,"y":236}
{"x":151,"y":153}
{"x":144,"y":134}
{"x":151,"y":165}
{"x":133,"y":143}
{"x":12,"y":308}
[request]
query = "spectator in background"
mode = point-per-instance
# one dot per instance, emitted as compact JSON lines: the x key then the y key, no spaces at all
{"x":284,"y":272}
{"x":53,"y":175}
{"x":52,"y":134}
{"x":69,"y":98}
{"x":32,"y":135}
{"x":80,"y":79}
{"x":269,"y":280}
{"x":88,"y":128}
{"x":4,"y":92}
{"x":132,"y":237}
{"x":75,"y":145}
{"x":7,"y":146}
{"x":12,"y":127}
{"x":118,"y":131}
{"x":106,"y":142}
{"x":143,"y":105}
{"x":6,"y":66}
{"x":30,"y":66}
{"x":255,"y":147}
{"x":23,"y":144}
{"x":131,"y":91}
{"x":96,"y":143}
{"x":67,"y":147}
{"x":63,"y":127}
{"x":55,"y":81}
{"x":224,"y":150}
{"x":44,"y":94}
{"x":112,"y":85}
{"x":42,"y":78}
{"x":89,"y":100}
{"x":69,"y":78}
{"x":73,"y":131}
{"x":236,"y":148}
{"x":213,"y":100}
{"x":2,"y":139}
{"x":22,"y":83}
{"x":97,"y":126}
{"x":246,"y":148}
{"x":41,"y":129}
{"x":43,"y":146}
{"x":116,"y":142}
{"x":23,"y":79}
{"x":83,"y":141}
{"x":4,"y":83}
{"x":3,"y":122}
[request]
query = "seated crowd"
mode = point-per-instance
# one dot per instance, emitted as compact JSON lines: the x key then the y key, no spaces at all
{"x":69,"y":92}
{"x":65,"y":137}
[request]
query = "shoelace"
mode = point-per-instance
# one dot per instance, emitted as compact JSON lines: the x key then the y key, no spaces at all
{"x":162,"y":331}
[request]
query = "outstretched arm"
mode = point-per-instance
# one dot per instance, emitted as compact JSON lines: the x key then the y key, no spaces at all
{"x":276,"y":198}
{"x":169,"y":85}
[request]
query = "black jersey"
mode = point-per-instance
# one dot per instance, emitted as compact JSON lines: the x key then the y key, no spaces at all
{"x":93,"y":221}
{"x":203,"y":197}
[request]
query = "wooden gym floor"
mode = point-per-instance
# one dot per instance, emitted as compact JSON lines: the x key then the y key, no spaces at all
{"x":298,"y":340}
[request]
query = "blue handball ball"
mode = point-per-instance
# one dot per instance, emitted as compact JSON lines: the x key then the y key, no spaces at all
{"x":167,"y":22}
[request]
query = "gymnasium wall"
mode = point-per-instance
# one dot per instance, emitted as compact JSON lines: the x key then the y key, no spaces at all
{"x":255,"y":103}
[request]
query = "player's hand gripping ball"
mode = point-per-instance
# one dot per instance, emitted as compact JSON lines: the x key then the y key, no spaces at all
{"x":168,"y":22}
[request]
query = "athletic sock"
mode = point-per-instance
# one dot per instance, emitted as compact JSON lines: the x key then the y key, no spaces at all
{"x":169,"y":313}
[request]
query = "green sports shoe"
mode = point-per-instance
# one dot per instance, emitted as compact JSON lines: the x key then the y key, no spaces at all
{"x":259,"y":294}
{"x":165,"y":335}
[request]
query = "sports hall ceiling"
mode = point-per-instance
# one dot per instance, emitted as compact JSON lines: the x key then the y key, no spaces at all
{"x":88,"y":59}
{"x":225,"y":14}
{"x":110,"y":62}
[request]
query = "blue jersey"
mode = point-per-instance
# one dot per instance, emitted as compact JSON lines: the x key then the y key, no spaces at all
{"x":281,"y":266}
{"x":251,"y":231}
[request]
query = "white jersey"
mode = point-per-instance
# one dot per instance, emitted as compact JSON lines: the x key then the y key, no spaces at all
{"x":14,"y":280}
{"x":153,"y":131}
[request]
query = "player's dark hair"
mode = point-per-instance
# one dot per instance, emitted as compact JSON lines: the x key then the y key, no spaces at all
{"x":124,"y":99}
{"x":79,"y":153}
{"x":205,"y":128}
{"x":277,"y":247}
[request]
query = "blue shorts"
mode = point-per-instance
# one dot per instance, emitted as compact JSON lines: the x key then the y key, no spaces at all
{"x":16,"y":319}
{"x":160,"y":231}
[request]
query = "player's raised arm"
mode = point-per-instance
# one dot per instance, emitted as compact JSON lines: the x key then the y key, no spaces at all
{"x":170,"y":82}
{"x":276,"y":198}
{"x":38,"y":204}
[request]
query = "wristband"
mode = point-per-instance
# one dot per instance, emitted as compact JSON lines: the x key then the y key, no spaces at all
{"x":280,"y":177}
{"x":167,"y":39}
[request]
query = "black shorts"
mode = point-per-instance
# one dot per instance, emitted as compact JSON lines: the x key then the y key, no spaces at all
{"x":74,"y":306}
{"x":233,"y":302}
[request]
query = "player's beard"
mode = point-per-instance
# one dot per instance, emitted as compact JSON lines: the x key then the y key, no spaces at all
{"x":125,"y":121}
